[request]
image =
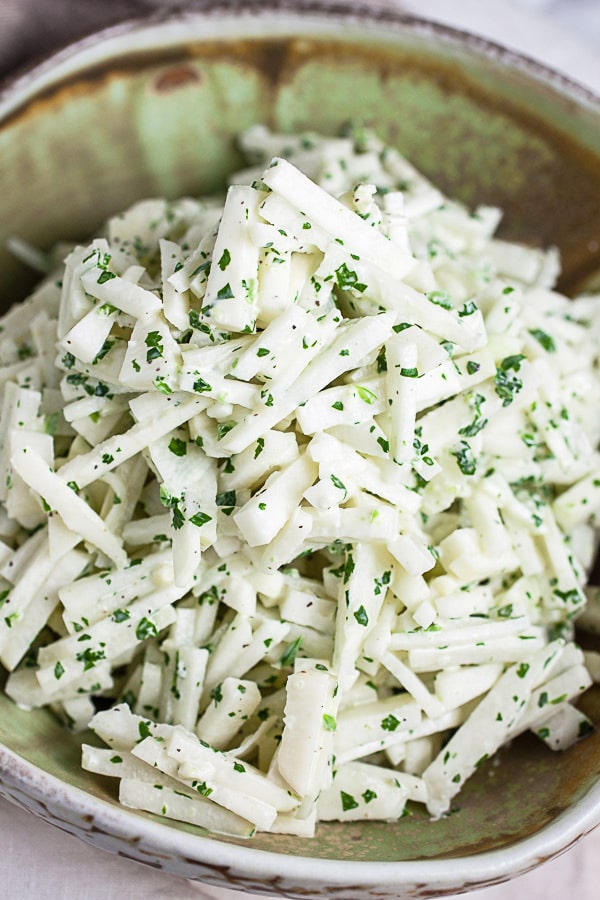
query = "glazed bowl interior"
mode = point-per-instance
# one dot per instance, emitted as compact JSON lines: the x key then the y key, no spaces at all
{"x":153,"y":108}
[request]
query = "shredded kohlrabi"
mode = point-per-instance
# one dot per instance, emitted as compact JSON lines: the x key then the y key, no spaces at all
{"x":299,"y":493}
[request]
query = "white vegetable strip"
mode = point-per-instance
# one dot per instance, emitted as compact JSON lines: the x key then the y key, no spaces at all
{"x":577,"y":503}
{"x":505,"y":650}
{"x":98,"y":595}
{"x":564,"y":727}
{"x":87,"y":467}
{"x":74,"y":511}
{"x":226,"y":714}
{"x":131,"y":298}
{"x":374,"y":722}
{"x":271,"y":507}
{"x":554,"y":693}
{"x":74,"y":301}
{"x":240,"y":649}
{"x":148,"y":605}
{"x":36,"y":556}
{"x":328,"y":214}
{"x":357,"y":339}
{"x":108,"y":639}
{"x":451,"y":637}
{"x":170,"y":803}
{"x":458,"y":686}
{"x":238,"y":787}
{"x":307,"y":738}
{"x":23,"y":687}
{"x":361,"y":595}
{"x":230,"y":297}
{"x":375,"y":478}
{"x":175,"y":306}
{"x":361,"y":792}
{"x":401,"y":384}
{"x":87,"y":336}
{"x":430,"y":704}
{"x":221,"y":767}
{"x":29,"y":622}
{"x":186,"y":684}
{"x":485,"y":730}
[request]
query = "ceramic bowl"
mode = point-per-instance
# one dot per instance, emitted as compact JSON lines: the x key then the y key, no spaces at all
{"x":151,"y":107}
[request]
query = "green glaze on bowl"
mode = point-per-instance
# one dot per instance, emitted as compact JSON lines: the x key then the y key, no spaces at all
{"x":152,"y":108}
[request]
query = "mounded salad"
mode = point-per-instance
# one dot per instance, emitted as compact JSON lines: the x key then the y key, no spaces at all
{"x":298,"y":493}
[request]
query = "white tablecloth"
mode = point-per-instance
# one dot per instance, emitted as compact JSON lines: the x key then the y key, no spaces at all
{"x":37,"y":861}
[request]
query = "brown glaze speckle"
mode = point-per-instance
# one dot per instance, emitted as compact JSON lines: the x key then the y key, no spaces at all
{"x":176,"y":77}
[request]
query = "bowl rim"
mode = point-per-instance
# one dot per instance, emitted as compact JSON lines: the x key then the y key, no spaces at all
{"x":245,"y":863}
{"x":375,"y":12}
{"x":474,"y":870}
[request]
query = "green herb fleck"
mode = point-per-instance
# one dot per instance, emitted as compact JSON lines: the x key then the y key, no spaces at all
{"x":59,"y":670}
{"x":347,"y":279}
{"x":177,"y":447}
{"x":201,"y":386}
{"x":390,"y":723}
{"x":464,"y":459}
{"x":224,"y":428}
{"x":381,"y":361}
{"x":200,"y":518}
{"x":144,"y":729}
{"x":440,"y":298}
{"x":338,"y":484}
{"x":506,"y":385}
{"x":153,"y":341}
{"x":291,"y":651}
{"x":145,"y":629}
{"x":90,"y":657}
{"x":348,"y":801}
{"x":225,"y":293}
{"x":365,"y":394}
{"x":544,"y":339}
{"x":121,"y":615}
{"x":225,"y":260}
{"x":105,"y":276}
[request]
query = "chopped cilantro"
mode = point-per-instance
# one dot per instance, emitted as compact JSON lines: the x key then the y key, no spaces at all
{"x":347,"y":279}
{"x":464,"y":459}
{"x":361,"y":616}
{"x":177,"y":446}
{"x":544,"y":339}
{"x":225,"y":293}
{"x":225,"y":260}
{"x":291,"y":651}
{"x":390,"y":723}
{"x":365,"y":394}
{"x":153,"y":341}
{"x":200,"y":518}
{"x":348,"y":801}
